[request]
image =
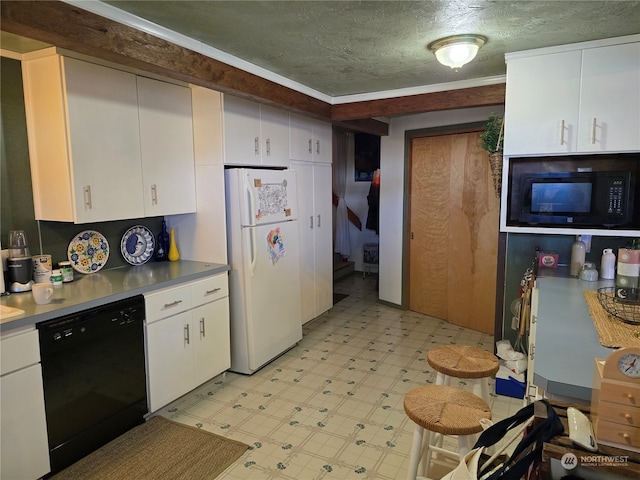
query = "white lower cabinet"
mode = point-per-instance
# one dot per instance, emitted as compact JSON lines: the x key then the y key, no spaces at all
{"x":24,"y":447}
{"x":187,"y":337}
{"x":316,"y":229}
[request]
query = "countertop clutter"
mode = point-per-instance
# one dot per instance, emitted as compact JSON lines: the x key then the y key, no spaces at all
{"x":103,"y":287}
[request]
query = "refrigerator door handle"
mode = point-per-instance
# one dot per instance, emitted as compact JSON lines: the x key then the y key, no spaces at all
{"x":254,"y":251}
{"x":252,"y":202}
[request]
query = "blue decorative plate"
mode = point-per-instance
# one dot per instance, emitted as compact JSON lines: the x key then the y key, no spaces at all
{"x":88,"y":251}
{"x":137,"y":245}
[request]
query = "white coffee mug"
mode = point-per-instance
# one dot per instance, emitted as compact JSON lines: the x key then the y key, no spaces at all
{"x":42,"y":292}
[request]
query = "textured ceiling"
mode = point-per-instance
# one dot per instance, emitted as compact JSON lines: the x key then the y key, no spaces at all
{"x":342,"y":48}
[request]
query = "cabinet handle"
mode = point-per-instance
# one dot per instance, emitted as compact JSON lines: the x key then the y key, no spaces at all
{"x":172,"y":304}
{"x":202,"y":334}
{"x":186,"y":334}
{"x":268,"y":147}
{"x":310,"y":147}
{"x":311,"y":222}
{"x":318,"y":147}
{"x":256,"y":145}
{"x":87,"y":197}
{"x":318,"y":221}
{"x":593,"y":131}
{"x":562,"y":133}
{"x":154,"y":194}
{"x":215,"y":290}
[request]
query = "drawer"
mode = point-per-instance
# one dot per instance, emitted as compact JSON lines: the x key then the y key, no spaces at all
{"x":616,"y":433}
{"x":19,"y":351}
{"x":166,"y":302}
{"x":623,"y":394}
{"x":209,"y":289}
{"x":621,"y":414}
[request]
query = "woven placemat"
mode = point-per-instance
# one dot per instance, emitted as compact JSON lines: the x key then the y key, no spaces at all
{"x":613,"y":332}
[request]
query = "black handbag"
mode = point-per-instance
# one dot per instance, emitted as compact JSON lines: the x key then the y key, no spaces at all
{"x":528,"y":452}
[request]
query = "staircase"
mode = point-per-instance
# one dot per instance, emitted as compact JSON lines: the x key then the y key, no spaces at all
{"x":341,"y":268}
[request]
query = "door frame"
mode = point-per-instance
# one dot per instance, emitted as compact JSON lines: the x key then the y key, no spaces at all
{"x":409,"y":136}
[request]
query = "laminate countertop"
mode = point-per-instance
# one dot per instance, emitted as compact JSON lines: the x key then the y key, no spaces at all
{"x":566,"y":339}
{"x":100,"y":288}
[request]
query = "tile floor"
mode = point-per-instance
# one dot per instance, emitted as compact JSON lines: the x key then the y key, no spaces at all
{"x":331,"y":407}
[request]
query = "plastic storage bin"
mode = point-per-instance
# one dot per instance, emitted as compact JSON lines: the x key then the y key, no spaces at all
{"x":370,"y":258}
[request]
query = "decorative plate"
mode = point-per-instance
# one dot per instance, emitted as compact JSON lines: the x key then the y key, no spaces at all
{"x":137,"y":245}
{"x":88,"y":251}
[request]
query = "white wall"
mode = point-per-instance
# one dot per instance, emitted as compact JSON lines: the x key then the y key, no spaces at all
{"x":392,"y":172}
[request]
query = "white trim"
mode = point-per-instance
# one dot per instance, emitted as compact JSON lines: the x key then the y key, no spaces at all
{"x":403,"y":92}
{"x":573,"y":46}
{"x":10,"y":54}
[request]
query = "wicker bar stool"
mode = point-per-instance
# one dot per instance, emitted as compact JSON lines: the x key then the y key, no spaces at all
{"x":465,"y":362}
{"x":442,"y":410}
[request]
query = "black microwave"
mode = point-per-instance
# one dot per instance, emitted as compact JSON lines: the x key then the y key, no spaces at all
{"x":580,"y":199}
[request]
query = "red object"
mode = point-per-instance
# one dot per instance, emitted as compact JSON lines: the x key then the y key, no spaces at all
{"x":548,"y":260}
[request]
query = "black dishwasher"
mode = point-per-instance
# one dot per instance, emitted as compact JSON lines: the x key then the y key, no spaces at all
{"x":93,"y":369}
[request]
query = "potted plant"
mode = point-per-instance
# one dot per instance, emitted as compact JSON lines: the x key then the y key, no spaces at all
{"x":492,"y":141}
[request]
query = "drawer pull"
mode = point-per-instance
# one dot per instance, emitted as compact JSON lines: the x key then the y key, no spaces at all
{"x":186,"y":334}
{"x":626,"y":436}
{"x":210,"y":292}
{"x":629,"y":396}
{"x":628,"y":416}
{"x":172,"y":304}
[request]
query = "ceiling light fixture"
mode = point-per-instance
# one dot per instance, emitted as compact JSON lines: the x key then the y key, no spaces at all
{"x":457,"y":50}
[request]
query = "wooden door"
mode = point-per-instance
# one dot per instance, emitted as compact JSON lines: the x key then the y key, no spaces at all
{"x":453,"y":221}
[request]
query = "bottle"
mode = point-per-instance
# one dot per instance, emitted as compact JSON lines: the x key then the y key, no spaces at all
{"x":607,"y":264}
{"x":163,"y":244}
{"x":578,"y":251}
{"x":173,"y":248}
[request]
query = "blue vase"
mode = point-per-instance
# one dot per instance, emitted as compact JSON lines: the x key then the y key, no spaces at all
{"x":162,"y":251}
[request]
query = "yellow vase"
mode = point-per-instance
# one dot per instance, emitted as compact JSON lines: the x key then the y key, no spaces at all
{"x":173,"y":248}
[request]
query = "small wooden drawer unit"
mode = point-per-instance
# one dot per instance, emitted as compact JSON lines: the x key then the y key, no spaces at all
{"x":615,"y":399}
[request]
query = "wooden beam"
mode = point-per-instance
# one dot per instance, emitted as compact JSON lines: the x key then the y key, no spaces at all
{"x":428,"y":102}
{"x":72,"y":28}
{"x":75,"y":29}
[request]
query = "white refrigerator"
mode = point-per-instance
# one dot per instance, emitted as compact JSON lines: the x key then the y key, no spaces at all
{"x":264,"y":253}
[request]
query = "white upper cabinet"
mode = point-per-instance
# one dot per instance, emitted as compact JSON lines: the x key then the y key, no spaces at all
{"x":310,"y":139}
{"x":166,"y":143}
{"x":84,"y":140}
{"x":610,"y":99}
{"x":255,"y":134}
{"x":88,"y":159}
{"x":583,"y":100}
{"x":541,"y":110}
